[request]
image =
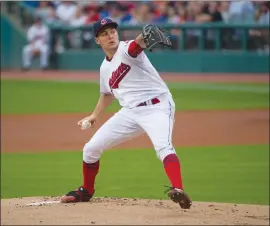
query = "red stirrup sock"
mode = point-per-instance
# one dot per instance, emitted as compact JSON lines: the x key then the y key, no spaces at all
{"x":173,"y":170}
{"x":89,"y":175}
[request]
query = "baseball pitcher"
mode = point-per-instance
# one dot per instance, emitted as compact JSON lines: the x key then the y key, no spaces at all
{"x":38,"y":37}
{"x":147,"y":107}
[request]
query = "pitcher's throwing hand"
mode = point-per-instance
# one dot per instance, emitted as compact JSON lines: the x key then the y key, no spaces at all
{"x":87,"y":122}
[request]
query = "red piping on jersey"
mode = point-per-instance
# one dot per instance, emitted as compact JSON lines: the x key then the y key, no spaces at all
{"x":134,"y":49}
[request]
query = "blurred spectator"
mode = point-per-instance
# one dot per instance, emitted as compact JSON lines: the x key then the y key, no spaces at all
{"x":195,"y":15}
{"x":202,"y":12}
{"x":264,"y":13}
{"x":260,"y":37}
{"x":115,"y":13}
{"x":56,"y":3}
{"x":142,"y":14}
{"x":161,"y":12}
{"x":66,"y":11}
{"x":173,"y":18}
{"x":213,"y":10}
{"x":182,"y":12}
{"x":92,"y":15}
{"x":79,"y":18}
{"x":51,"y":18}
{"x":126,"y":15}
{"x":44,"y":9}
{"x":224,"y":10}
{"x":38,"y":38}
{"x":264,"y":19}
{"x":241,"y":12}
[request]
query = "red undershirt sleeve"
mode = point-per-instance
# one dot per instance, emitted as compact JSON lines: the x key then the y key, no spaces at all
{"x":134,"y":49}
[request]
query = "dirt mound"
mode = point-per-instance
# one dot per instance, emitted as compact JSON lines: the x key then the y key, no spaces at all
{"x":117,"y":211}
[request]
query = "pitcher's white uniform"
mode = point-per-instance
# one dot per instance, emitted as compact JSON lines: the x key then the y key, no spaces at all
{"x":147,"y":106}
{"x":38,"y":37}
{"x":134,"y":81}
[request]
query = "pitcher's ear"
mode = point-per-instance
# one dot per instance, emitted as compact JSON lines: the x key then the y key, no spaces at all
{"x":97,"y":41}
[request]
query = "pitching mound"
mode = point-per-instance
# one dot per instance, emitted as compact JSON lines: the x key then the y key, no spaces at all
{"x":116,"y":211}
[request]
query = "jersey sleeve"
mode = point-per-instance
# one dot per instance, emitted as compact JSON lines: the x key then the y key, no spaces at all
{"x":133,"y":51}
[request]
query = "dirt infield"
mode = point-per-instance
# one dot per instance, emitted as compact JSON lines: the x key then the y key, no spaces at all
{"x":23,"y":133}
{"x":62,"y":133}
{"x":116,"y":211}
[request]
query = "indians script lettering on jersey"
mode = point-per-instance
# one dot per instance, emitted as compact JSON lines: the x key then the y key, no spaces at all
{"x":118,"y":75}
{"x":131,"y":80}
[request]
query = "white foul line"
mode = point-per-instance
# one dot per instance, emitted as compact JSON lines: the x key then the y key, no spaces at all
{"x":41,"y":203}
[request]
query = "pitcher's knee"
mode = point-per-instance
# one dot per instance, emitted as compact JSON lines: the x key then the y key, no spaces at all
{"x":164,"y":151}
{"x":91,"y":152}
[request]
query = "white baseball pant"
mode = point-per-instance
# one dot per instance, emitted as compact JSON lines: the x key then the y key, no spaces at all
{"x":156,"y":120}
{"x":28,"y":51}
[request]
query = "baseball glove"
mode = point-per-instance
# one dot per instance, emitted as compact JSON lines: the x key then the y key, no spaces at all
{"x":154,"y":36}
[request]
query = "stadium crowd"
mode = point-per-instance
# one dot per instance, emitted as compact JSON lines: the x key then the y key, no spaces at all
{"x":77,"y":13}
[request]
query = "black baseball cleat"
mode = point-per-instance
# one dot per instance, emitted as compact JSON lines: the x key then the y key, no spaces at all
{"x":177,"y":195}
{"x":79,"y":195}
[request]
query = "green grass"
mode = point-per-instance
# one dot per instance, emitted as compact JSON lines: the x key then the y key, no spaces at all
{"x":237,"y":174}
{"x":65,"y":97}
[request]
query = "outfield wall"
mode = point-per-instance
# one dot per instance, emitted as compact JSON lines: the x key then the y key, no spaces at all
{"x":175,"y":61}
{"x":12,"y":41}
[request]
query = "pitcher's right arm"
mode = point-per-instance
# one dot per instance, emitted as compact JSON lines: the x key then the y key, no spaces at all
{"x":104,"y":101}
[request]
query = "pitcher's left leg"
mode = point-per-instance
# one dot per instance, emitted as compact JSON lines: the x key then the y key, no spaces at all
{"x":157,"y":121}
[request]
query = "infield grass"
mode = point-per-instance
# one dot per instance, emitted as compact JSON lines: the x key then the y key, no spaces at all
{"x":236,"y":174}
{"x":65,"y":97}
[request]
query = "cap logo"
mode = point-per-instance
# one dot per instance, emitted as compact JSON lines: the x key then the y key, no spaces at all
{"x":104,"y":21}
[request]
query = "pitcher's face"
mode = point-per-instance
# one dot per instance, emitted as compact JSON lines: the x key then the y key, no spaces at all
{"x":108,"y":38}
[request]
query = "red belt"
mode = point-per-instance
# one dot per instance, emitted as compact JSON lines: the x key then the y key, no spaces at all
{"x":153,"y":101}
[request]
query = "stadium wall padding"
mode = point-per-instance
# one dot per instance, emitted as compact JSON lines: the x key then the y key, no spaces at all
{"x":176,"y":61}
{"x":13,"y":40}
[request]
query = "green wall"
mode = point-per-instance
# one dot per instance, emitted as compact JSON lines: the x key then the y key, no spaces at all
{"x":12,"y":42}
{"x":176,"y":61}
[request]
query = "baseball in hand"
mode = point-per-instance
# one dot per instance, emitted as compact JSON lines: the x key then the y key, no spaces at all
{"x":85,"y":125}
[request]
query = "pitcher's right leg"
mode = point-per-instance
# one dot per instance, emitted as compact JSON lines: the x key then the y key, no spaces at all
{"x":116,"y":130}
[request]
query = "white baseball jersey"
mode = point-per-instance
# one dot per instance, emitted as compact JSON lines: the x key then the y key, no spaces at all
{"x":66,"y":12}
{"x":131,"y":80}
{"x":38,"y":35}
